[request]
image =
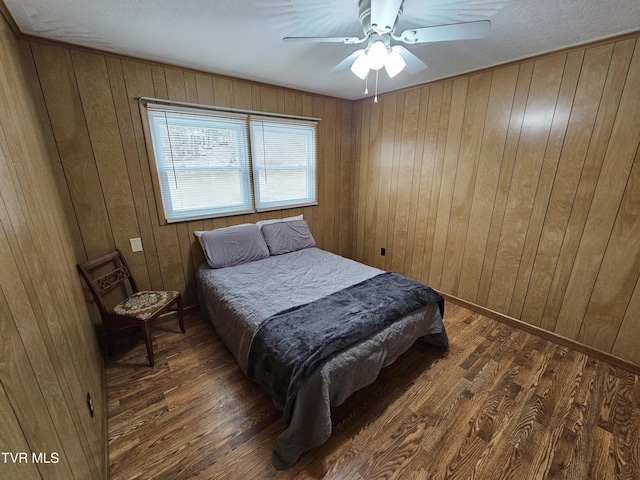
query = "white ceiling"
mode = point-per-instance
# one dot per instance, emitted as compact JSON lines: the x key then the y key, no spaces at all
{"x":243,"y":38}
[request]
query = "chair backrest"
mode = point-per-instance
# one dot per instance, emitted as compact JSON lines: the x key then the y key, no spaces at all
{"x":102,"y":283}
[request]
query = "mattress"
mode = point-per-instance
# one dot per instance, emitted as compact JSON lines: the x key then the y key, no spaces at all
{"x":238,"y":299}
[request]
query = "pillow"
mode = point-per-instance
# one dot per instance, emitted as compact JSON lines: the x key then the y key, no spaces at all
{"x":225,"y":247}
{"x":260,"y":223}
{"x":198,"y":233}
{"x":289,"y":236}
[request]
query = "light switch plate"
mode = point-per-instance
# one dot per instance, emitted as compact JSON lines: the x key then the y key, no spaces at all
{"x":136,"y":244}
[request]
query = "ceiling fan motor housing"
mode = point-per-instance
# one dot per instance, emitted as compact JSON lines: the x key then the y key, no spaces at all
{"x":365,"y":20}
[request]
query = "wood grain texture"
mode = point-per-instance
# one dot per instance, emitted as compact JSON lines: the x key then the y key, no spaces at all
{"x":572,"y":157}
{"x":90,"y":97}
{"x":626,"y":340}
{"x":447,"y":180}
{"x":13,"y":440}
{"x":463,"y":190}
{"x":504,"y":180}
{"x":613,"y":178}
{"x":599,"y":141}
{"x":525,"y":202}
{"x":500,"y":403}
{"x":50,"y":357}
{"x":420,"y":260}
{"x":536,"y":124}
{"x":618,"y":275}
{"x":486,"y":180}
{"x":514,"y":188}
{"x":555,"y":144}
{"x":64,"y":108}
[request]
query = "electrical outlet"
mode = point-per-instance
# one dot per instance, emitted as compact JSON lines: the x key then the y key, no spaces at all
{"x":136,"y":244}
{"x":383,"y":251}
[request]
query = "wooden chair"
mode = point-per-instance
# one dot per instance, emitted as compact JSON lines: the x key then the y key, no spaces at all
{"x":139,"y":308}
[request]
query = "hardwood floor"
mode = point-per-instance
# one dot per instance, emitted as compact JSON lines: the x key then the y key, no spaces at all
{"x":500,"y":403}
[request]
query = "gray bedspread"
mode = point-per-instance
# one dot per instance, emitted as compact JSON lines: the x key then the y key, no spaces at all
{"x":238,"y":299}
{"x":288,"y":346}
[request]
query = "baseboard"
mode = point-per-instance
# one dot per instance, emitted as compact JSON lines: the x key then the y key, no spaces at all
{"x":547,"y":335}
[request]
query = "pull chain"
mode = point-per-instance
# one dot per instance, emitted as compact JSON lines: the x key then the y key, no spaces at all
{"x":375,"y":99}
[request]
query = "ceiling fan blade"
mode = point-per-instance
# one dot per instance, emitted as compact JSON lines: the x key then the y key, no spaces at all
{"x":441,"y":33}
{"x":414,"y":64}
{"x":384,"y":14}
{"x":345,"y":40}
{"x":347,"y":62}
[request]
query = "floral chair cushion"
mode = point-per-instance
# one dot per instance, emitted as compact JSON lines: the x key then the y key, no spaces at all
{"x":143,"y":305}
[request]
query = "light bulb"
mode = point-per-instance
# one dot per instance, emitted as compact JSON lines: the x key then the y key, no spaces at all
{"x":394,"y":64}
{"x":377,"y":55}
{"x":361,"y":66}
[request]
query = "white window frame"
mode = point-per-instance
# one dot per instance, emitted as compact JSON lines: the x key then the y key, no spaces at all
{"x":306,"y":130}
{"x":163,"y":167}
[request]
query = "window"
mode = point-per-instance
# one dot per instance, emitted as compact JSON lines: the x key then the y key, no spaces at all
{"x":202,"y":164}
{"x":204,"y":168}
{"x":284,"y":163}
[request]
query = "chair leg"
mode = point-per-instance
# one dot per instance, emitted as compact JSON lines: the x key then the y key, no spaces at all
{"x":180,"y":314}
{"x":147,"y":340}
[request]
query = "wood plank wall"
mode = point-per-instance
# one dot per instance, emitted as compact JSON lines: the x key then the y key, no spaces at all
{"x":49,"y":355}
{"x":90,"y":101}
{"x":515,"y":188}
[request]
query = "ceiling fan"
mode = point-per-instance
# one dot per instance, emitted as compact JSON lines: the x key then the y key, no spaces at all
{"x":379,"y":19}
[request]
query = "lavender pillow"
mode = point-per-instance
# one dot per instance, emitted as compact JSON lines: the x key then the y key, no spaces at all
{"x":285,"y":237}
{"x":226,"y":247}
{"x":260,"y":223}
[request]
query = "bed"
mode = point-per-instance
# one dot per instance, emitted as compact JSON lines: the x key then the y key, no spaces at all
{"x":253,"y":295}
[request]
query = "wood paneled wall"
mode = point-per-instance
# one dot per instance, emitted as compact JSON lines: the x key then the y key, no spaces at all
{"x":91,"y":104}
{"x":512,"y":188}
{"x":49,"y":355}
{"x":516,"y":188}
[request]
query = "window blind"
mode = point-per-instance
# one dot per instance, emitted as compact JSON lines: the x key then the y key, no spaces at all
{"x":284,"y":162}
{"x":204,"y":167}
{"x":202,"y":163}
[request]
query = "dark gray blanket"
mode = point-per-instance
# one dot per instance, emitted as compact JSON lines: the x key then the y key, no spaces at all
{"x":289,"y":345}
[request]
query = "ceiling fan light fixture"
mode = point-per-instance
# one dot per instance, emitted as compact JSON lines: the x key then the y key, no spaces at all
{"x":394,"y":63}
{"x":379,"y":19}
{"x":361,"y":66}
{"x":377,"y":55}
